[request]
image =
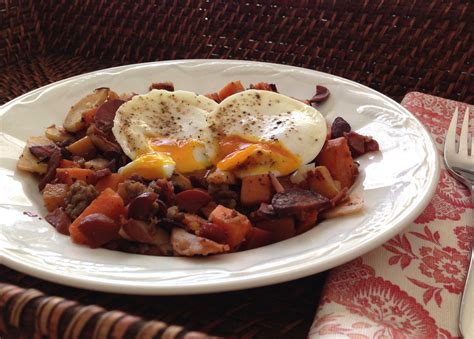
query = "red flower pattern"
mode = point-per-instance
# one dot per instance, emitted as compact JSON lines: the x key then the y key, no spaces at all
{"x":453,"y":192}
{"x":465,"y":234}
{"x":447,"y":266}
{"x":402,"y":249}
{"x":384,"y":309}
{"x":389,"y":306}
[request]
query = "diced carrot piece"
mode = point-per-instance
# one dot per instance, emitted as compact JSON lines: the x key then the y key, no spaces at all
{"x":107,"y":203}
{"x":110,"y":181}
{"x":336,"y":156}
{"x":257,"y":237}
{"x":281,"y":229}
{"x":229,"y":89}
{"x":70,"y":175}
{"x":88,"y":116}
{"x":68,"y":164}
{"x":235,"y":224}
{"x":54,"y":195}
{"x":256,"y":189}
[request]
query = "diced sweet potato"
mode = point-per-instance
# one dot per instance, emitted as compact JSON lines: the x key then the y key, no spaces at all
{"x":256,"y":189}
{"x":64,"y":163}
{"x":231,"y":88}
{"x":54,"y":195}
{"x":111,"y":181}
{"x":321,"y":181}
{"x":236,"y":225}
{"x":281,"y":229}
{"x":70,"y":175}
{"x":336,"y":156}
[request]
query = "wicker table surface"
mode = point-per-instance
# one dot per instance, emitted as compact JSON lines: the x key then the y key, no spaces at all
{"x":394,"y":47}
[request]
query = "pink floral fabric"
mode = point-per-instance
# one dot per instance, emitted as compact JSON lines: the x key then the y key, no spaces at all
{"x":411,"y":286}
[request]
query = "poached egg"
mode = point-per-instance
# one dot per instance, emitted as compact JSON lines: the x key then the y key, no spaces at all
{"x":163,"y":131}
{"x":248,"y":133}
{"x":261,"y":131}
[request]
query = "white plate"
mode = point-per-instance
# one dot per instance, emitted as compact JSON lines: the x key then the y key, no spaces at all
{"x":396,"y":184}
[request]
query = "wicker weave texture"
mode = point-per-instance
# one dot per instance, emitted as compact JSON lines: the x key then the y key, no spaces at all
{"x":391,"y":46}
{"x":29,"y":313}
{"x":279,"y":311}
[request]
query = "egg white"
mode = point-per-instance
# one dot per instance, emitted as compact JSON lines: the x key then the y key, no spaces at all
{"x":160,"y":114}
{"x":266,"y":116}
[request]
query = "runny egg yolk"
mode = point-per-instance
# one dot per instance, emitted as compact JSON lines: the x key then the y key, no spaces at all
{"x":150,"y":166}
{"x":187,"y":154}
{"x":245,"y":157}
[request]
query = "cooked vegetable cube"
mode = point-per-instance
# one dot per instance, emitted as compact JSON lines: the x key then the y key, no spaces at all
{"x":256,"y":189}
{"x":321,"y":181}
{"x":54,"y":195}
{"x":235,"y":224}
{"x":336,"y":156}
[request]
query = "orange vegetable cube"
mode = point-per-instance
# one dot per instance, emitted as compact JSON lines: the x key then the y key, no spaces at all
{"x":336,"y":156}
{"x":229,"y":89}
{"x":70,"y":175}
{"x":236,"y":225}
{"x":256,"y":189}
{"x":54,"y":195}
{"x":111,"y":181}
{"x":68,"y":164}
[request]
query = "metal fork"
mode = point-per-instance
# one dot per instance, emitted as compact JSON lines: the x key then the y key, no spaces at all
{"x":461,"y":165}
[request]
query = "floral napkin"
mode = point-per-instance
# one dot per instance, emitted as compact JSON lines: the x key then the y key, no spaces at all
{"x":411,"y":286}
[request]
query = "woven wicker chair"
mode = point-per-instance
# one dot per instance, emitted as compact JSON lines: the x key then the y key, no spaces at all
{"x":392,"y":46}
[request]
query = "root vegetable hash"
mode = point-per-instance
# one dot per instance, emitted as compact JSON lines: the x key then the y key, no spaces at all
{"x":176,"y":173}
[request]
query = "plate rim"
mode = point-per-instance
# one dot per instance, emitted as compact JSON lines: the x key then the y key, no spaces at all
{"x":239,"y":283}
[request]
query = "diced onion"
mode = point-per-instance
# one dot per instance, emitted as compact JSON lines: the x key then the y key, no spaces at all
{"x":300,"y":174}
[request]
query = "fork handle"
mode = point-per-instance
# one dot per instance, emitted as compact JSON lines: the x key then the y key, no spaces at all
{"x":466,"y":315}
